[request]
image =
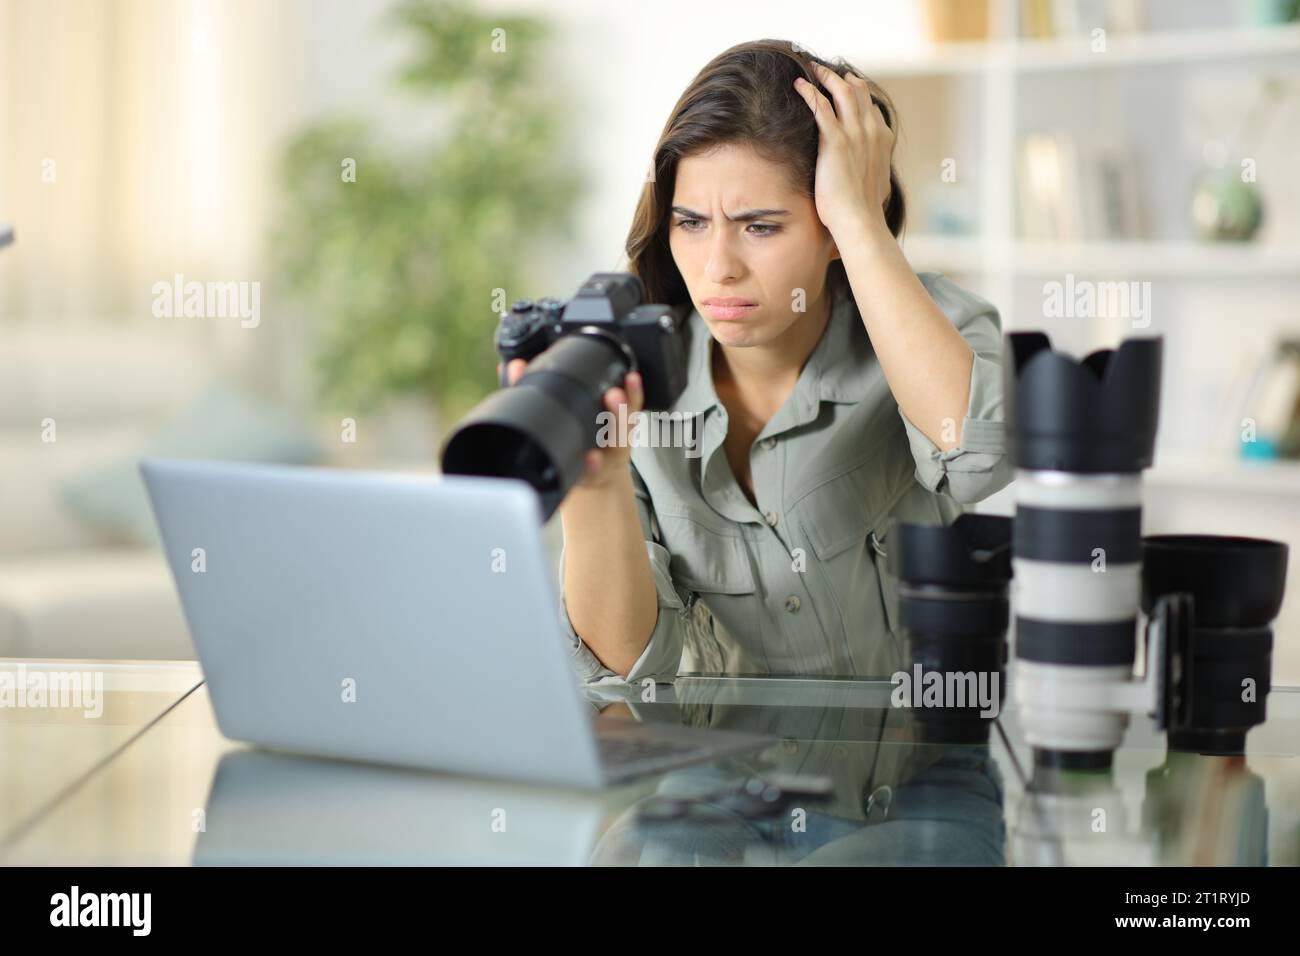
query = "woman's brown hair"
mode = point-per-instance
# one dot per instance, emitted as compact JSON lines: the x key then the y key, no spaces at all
{"x":743,"y":96}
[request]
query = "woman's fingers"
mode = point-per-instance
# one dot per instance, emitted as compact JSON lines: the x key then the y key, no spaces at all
{"x":632,"y":394}
{"x":614,"y":397}
{"x":821,"y":107}
{"x":847,"y":107}
{"x":635,"y":392}
{"x":875,"y":127}
{"x":513,"y":370}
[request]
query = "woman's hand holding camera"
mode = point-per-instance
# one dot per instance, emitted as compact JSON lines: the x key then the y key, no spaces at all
{"x":604,"y":467}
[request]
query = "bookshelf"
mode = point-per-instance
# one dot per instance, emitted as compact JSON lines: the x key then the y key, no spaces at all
{"x":1004,"y":69}
{"x":991,"y":93}
{"x":1073,"y":53}
{"x":1270,"y":479}
{"x":1222,"y":305}
{"x":1186,"y":258}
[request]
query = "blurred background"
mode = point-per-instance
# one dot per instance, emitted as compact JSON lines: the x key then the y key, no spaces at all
{"x":367,"y":183}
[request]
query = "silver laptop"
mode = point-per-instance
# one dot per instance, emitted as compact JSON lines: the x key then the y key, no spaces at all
{"x":270,"y":809}
{"x":395,"y":619}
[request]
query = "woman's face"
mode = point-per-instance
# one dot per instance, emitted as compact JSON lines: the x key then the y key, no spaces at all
{"x":776,"y":259}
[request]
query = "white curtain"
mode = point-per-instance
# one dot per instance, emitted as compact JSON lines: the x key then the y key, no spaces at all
{"x":137,"y":139}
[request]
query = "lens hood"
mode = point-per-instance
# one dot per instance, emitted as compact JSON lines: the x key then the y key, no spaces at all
{"x":1095,"y":415}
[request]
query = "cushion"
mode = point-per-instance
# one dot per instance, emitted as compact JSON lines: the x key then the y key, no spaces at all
{"x":221,"y":424}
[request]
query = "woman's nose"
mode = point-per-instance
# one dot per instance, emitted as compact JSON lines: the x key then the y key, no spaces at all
{"x":723,"y":262}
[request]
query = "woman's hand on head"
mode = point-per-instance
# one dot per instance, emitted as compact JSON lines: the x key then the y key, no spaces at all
{"x":602,"y":467}
{"x":855,"y":146}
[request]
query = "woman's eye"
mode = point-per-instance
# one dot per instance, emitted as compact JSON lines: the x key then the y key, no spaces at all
{"x":756,"y":229}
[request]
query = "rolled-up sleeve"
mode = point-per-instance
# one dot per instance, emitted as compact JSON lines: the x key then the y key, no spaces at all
{"x":662,"y":656}
{"x":979,"y":465}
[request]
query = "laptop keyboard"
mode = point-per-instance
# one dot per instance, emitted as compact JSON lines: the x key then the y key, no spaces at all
{"x":617,"y":750}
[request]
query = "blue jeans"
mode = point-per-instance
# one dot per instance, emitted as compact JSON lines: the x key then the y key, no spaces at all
{"x":950,"y":813}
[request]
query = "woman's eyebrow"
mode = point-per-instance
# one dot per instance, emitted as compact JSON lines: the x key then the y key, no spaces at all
{"x":747,"y":216}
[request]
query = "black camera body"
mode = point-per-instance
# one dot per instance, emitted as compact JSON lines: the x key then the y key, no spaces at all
{"x":609,"y":306}
{"x":539,"y":429}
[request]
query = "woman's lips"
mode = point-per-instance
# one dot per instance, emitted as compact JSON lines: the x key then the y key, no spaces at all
{"x":726,"y":313}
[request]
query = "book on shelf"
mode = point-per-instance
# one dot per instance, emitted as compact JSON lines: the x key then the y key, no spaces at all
{"x":1270,"y":414}
{"x":957,"y":21}
{"x":1037,"y":21}
{"x":1071,"y":190}
{"x":1050,"y":19}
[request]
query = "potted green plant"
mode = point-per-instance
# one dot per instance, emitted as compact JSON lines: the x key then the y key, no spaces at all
{"x":401,"y":256}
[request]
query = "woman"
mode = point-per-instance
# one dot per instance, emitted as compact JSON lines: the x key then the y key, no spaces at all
{"x":835,"y":390}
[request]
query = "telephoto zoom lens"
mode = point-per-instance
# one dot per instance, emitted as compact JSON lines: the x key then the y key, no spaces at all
{"x":1219,"y":667}
{"x":953,"y":610}
{"x":1081,"y":432}
{"x":540,"y":429}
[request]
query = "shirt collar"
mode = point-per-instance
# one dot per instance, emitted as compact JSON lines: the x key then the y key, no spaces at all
{"x":834,"y":372}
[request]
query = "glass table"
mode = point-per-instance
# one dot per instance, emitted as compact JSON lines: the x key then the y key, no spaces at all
{"x":847,"y":780}
{"x":47,"y":751}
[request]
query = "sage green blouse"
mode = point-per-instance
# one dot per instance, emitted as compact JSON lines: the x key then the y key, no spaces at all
{"x":798,"y":585}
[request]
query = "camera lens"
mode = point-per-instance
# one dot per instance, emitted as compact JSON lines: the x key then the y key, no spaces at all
{"x":1081,"y":433}
{"x":540,"y":429}
{"x":953,"y":610}
{"x":1220,"y":685}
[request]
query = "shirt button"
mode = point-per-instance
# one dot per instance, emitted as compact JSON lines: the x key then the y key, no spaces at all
{"x":792,"y":603}
{"x":771,"y":517}
{"x":768,"y":443}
